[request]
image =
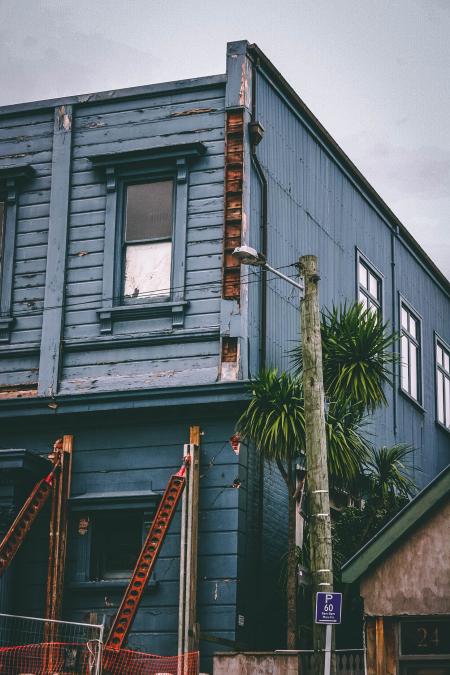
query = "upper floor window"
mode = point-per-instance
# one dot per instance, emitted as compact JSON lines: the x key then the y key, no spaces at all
{"x":147,"y":240}
{"x":443,"y":384}
{"x":369,"y":286}
{"x":410,"y":352}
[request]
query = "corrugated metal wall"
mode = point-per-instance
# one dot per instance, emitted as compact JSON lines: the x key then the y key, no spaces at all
{"x":315,"y":208}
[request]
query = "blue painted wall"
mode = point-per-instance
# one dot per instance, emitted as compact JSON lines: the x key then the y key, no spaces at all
{"x":316,"y":207}
{"x":130,"y":452}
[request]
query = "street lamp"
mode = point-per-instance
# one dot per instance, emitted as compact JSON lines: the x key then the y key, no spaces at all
{"x":250,"y":256}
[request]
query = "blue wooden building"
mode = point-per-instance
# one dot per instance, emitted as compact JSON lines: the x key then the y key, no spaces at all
{"x":124,"y":319}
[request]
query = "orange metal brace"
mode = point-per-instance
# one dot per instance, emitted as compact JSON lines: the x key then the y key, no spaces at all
{"x":26,"y":516}
{"x":146,"y":561}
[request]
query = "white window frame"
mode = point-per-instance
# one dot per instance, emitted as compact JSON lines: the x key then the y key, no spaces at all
{"x":417,"y":341}
{"x":377,"y":302}
{"x":443,"y":370}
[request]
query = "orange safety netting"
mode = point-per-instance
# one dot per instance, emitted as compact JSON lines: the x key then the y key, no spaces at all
{"x":139,"y":663}
{"x":81,"y":659}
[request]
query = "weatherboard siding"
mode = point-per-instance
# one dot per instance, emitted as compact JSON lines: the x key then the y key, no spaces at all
{"x":26,"y":139}
{"x":108,"y":458}
{"x":119,"y":126}
{"x":314,"y":207}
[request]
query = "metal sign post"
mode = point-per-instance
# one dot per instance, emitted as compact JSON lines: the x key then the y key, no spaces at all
{"x":328,"y":612}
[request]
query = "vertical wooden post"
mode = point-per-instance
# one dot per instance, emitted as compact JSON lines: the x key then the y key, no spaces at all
{"x":52,"y":320}
{"x":58,"y":530}
{"x":188,"y":632}
{"x":191,"y":627}
{"x":379,"y":648}
{"x":316,"y":445}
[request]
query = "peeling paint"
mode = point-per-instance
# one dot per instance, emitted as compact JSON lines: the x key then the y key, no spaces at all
{"x":16,"y":392}
{"x":193,"y":111}
{"x":63,"y":119}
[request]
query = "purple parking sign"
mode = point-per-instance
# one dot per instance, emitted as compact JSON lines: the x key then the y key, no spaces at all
{"x":328,"y":607}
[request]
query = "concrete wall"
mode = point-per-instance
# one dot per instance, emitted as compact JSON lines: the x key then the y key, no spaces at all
{"x":415,"y":578}
{"x":256,"y":663}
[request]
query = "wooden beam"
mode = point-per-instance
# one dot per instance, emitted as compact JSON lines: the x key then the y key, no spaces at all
{"x":56,"y":255}
{"x":58,"y":529}
{"x":191,"y":626}
{"x":188,"y":629}
{"x":379,"y":649}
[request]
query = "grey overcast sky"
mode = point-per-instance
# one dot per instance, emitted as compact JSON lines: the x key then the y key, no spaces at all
{"x":375,"y":72}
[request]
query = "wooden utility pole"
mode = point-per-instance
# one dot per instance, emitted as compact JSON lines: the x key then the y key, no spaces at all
{"x":188,"y":631}
{"x":316,"y":448}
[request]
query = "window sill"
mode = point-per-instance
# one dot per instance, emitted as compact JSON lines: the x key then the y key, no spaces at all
{"x":175,"y":309}
{"x":442,"y":427}
{"x":412,"y":400}
{"x":110,"y":584}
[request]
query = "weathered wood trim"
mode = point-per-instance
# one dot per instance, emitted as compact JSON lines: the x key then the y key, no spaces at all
{"x":9,"y":186}
{"x":6,"y":351}
{"x":148,"y":153}
{"x":56,"y":255}
{"x":178,"y":336}
{"x":107,"y":315}
{"x":179,"y":243}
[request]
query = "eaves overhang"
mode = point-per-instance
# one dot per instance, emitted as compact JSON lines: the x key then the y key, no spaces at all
{"x":218,"y":394}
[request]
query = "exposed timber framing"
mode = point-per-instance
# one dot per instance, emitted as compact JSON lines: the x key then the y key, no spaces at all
{"x":188,"y":628}
{"x":58,"y":529}
{"x":234,"y":175}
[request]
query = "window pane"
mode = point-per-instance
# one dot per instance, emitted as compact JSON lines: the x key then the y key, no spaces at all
{"x":116,"y":543}
{"x":447,"y":402}
{"x":404,"y":318}
{"x":373,"y":286}
{"x":149,"y":211}
{"x":440,"y":397}
{"x":413,"y":367}
{"x":363,"y":299}
{"x":363,"y":275}
{"x":412,"y":326}
{"x":372,"y":307}
{"x":147,"y":269}
{"x":404,"y":362}
{"x":446,"y":362}
{"x":439,"y":355}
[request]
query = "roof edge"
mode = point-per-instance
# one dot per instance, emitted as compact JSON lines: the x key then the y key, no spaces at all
{"x":398,"y":527}
{"x":115,"y":94}
{"x":255,"y":52}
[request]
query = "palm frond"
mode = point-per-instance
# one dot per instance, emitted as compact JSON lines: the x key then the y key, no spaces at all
{"x":274,"y":418}
{"x":274,"y":421}
{"x":387,"y":472}
{"x":357,"y":355}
